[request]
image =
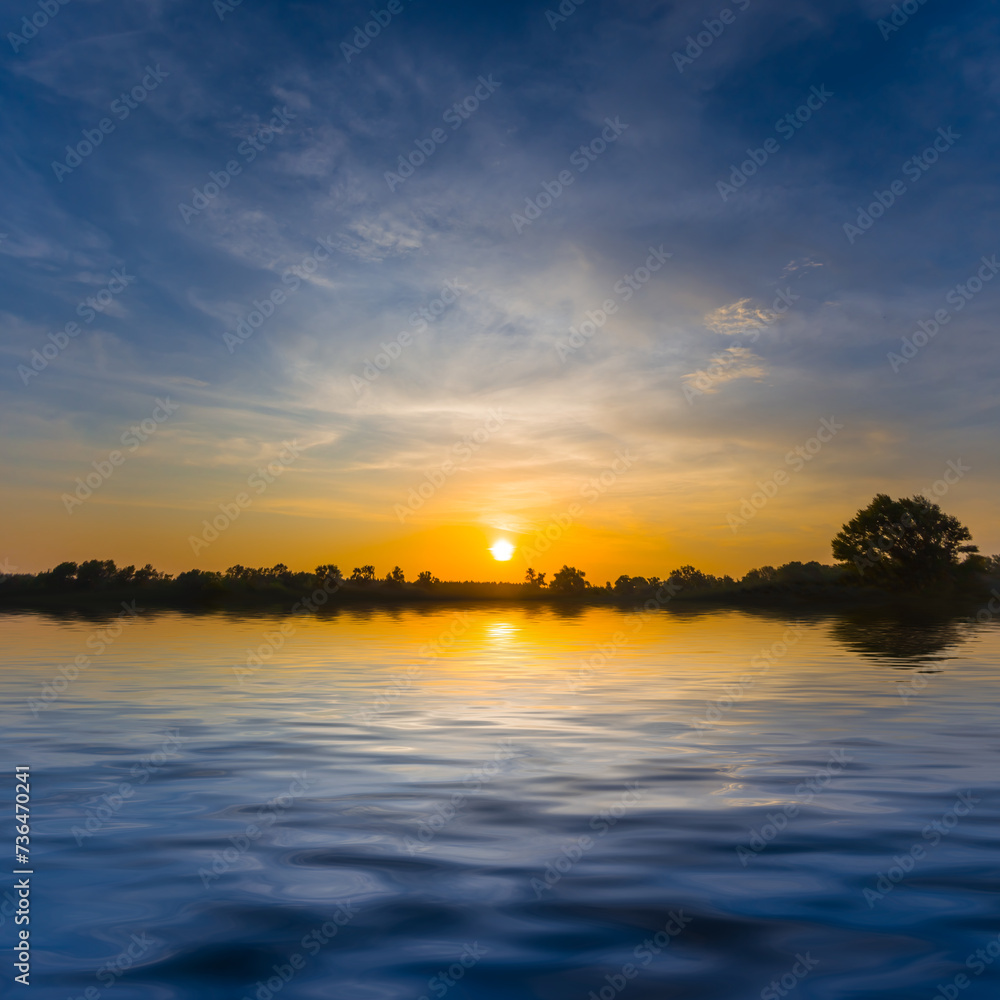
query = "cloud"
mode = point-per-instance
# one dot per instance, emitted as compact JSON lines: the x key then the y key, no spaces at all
{"x":732,"y":364}
{"x":738,"y":318}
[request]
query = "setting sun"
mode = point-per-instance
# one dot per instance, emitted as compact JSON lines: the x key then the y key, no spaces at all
{"x":502,"y":551}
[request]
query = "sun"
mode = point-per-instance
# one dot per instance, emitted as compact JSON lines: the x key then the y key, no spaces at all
{"x":502,"y":551}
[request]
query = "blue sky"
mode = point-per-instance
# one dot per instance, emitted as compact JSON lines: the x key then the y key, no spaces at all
{"x":335,"y":126}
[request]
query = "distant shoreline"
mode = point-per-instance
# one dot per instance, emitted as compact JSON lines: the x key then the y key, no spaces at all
{"x":167,"y":596}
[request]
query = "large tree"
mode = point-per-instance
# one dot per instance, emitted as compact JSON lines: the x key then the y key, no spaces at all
{"x":905,"y":544}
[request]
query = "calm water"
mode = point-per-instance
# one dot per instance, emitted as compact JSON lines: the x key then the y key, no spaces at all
{"x":518,"y":815}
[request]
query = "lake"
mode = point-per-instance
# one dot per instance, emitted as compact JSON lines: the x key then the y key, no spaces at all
{"x":502,"y":802}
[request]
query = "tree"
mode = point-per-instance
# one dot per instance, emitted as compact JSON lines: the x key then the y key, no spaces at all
{"x":147,"y":574}
{"x":903,"y":544}
{"x":327,"y":571}
{"x":62,"y":574}
{"x":426,"y":578}
{"x":95,"y":572}
{"x":691,"y":578}
{"x":533,"y":579}
{"x":396,"y":577}
{"x":201,"y":583}
{"x":363,"y":574}
{"x":760,"y":576}
{"x":569,"y":580}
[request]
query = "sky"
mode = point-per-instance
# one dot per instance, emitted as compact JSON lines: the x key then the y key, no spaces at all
{"x":629,"y":285}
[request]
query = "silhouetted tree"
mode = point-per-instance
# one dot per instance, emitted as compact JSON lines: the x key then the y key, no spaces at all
{"x":533,"y":579}
{"x":148,"y":575}
{"x":569,"y":580}
{"x":95,"y":573}
{"x":363,"y":574}
{"x":760,"y":576}
{"x":426,"y":578}
{"x":62,"y":575}
{"x":198,"y":582}
{"x":396,"y":577}
{"x":327,"y":571}
{"x":902,"y":544}
{"x":799,"y":572}
{"x":690,"y":578}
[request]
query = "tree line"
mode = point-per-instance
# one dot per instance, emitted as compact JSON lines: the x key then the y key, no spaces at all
{"x":908,"y":544}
